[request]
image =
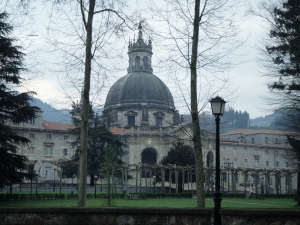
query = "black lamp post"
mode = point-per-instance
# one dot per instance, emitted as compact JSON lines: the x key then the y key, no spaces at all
{"x":54,"y":180}
{"x":217,"y":106}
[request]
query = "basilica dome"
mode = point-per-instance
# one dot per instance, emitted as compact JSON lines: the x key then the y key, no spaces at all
{"x":139,"y":88}
{"x":140,"y":99}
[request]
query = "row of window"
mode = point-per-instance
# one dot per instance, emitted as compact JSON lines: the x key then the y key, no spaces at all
{"x":49,"y":136}
{"x":246,"y":150}
{"x":256,"y":163}
{"x":48,"y":151}
{"x":131,"y":121}
{"x":276,"y":141}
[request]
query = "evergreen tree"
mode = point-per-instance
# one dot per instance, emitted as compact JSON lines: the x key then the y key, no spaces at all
{"x":284,"y":51}
{"x":295,"y":143}
{"x":180,"y":155}
{"x":14,"y":108}
{"x":98,"y":137}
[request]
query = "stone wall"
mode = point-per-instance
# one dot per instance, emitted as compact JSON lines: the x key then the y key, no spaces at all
{"x":260,"y":217}
{"x":104,"y":216}
{"x":145,"y":216}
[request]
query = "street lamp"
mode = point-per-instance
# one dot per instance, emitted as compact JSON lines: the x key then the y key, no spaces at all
{"x":227,"y":165}
{"x":95,"y":181}
{"x":54,"y":180}
{"x":217,"y":106}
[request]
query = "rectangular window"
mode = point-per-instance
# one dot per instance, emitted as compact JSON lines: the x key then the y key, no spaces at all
{"x":267,"y":163}
{"x":65,"y":152}
{"x":267,"y":152}
{"x":277,"y":164}
{"x":235,"y":162}
{"x":158,"y":121}
{"x":252,"y":141}
{"x":65,"y":137}
{"x":31,"y":150}
{"x":48,"y":136}
{"x":223,"y":149}
{"x":256,"y":151}
{"x":256,"y":161}
{"x":276,"y":141}
{"x":131,"y":121}
{"x":49,"y":150}
{"x":234,"y":150}
{"x":31,"y":135}
{"x":286,"y":164}
{"x":246,"y":162}
{"x":245,"y":149}
{"x":266,"y":140}
{"x":276,"y":152}
{"x":31,"y":121}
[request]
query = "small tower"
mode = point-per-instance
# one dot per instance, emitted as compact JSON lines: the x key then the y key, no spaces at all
{"x":140,"y":54}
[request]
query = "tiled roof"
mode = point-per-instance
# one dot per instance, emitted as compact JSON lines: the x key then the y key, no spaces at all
{"x":56,"y":126}
{"x":253,"y":131}
{"x":119,"y":131}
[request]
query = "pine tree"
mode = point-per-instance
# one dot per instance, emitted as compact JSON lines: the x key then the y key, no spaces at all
{"x":285,"y":54}
{"x":180,"y":155}
{"x":14,"y":108}
{"x":99,"y":137}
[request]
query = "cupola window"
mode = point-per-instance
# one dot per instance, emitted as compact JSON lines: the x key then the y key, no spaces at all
{"x":137,"y":62}
{"x":146,"y":62}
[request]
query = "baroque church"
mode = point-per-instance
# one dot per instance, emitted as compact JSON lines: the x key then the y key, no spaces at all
{"x":140,"y":108}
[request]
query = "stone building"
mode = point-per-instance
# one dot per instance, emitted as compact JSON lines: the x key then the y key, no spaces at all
{"x":263,"y":150}
{"x":140,"y":109}
{"x":49,"y":142}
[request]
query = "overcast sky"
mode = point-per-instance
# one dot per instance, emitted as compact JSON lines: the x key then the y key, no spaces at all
{"x":246,"y":78}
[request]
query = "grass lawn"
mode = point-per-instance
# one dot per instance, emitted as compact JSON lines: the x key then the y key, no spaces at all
{"x":163,"y":203}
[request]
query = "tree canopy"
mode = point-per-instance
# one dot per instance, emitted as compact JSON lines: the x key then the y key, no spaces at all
{"x":284,"y":50}
{"x":98,"y":138}
{"x":180,"y":155}
{"x":15,"y":108}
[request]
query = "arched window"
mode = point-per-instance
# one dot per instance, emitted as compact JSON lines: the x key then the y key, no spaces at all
{"x":210,"y":159}
{"x":146,"y":62}
{"x":149,"y":157}
{"x":137,"y":62}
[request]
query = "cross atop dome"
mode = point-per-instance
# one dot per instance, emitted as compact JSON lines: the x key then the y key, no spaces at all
{"x":140,"y":37}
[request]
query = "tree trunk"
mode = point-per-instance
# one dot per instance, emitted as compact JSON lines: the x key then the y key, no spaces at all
{"x":194,"y":111}
{"x":298,"y":185}
{"x":85,"y":108}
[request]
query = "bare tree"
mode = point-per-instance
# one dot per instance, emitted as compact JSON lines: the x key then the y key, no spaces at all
{"x":199,"y":37}
{"x":83,"y":34}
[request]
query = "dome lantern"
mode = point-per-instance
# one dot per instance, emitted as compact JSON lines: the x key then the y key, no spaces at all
{"x":140,"y":54}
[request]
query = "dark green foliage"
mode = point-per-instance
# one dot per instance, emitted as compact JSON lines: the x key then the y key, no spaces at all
{"x":98,"y":137}
{"x":286,"y":49}
{"x":179,"y":155}
{"x":285,"y":53}
{"x":15,"y":108}
{"x":295,"y":143}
